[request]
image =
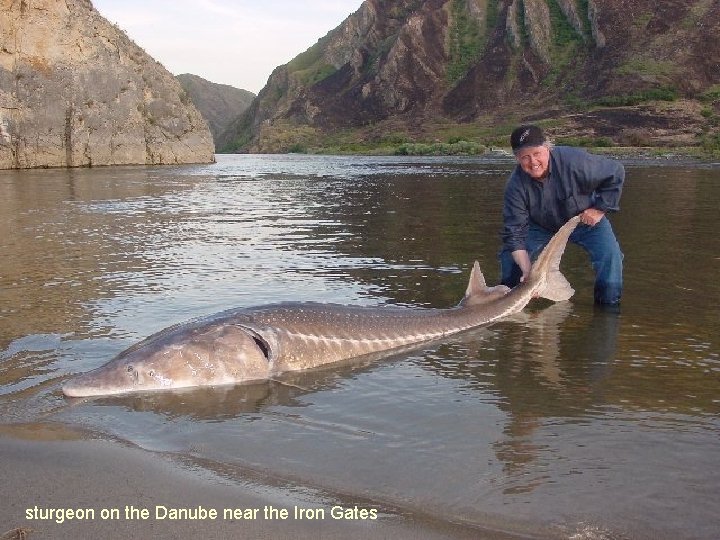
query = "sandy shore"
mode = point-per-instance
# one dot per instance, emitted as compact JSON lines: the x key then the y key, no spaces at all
{"x":51,"y":478}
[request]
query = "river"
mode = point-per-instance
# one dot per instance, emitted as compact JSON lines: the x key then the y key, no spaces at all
{"x":573,"y":419}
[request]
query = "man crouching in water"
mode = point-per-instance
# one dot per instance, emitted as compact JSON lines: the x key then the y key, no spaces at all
{"x":549,"y":186}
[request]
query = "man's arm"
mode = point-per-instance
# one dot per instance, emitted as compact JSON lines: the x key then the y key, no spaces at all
{"x":515,"y":217}
{"x":522,"y":259}
{"x":606,"y":177}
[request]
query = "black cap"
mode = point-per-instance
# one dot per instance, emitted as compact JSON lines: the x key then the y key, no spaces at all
{"x":526,"y":136}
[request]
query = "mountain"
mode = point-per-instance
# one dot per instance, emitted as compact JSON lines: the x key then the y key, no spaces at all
{"x":76,"y":91}
{"x":218,"y":103}
{"x":630,"y":72}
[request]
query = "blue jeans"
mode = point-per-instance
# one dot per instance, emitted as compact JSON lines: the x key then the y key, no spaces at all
{"x":600,"y":243}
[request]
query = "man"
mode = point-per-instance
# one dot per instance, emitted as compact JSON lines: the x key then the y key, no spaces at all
{"x":549,"y":186}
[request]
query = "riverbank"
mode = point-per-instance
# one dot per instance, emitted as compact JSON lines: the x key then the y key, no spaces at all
{"x":58,"y":484}
{"x":684,"y":154}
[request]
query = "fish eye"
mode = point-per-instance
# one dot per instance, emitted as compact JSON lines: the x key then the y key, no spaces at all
{"x":130,"y":369}
{"x":151,"y":373}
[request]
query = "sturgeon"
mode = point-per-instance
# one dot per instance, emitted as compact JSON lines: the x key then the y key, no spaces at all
{"x":250,"y":344}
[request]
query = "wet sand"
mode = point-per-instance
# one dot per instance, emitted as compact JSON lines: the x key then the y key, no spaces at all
{"x":64,"y":473}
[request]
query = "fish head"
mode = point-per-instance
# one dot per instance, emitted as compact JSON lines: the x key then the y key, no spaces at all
{"x":202,"y":357}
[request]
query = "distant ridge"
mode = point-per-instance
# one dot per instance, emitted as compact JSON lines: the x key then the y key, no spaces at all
{"x":218,"y":103}
{"x":637,"y":72}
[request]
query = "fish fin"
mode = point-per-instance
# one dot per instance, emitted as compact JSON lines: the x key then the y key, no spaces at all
{"x":557,"y":288}
{"x":477,"y":280}
{"x":478,"y":292}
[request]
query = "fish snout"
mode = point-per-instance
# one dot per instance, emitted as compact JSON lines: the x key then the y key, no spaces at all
{"x":108,"y":380}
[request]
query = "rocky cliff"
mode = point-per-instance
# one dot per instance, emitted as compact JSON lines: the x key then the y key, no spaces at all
{"x":616,"y":71}
{"x":76,"y":91}
{"x":219,"y":104}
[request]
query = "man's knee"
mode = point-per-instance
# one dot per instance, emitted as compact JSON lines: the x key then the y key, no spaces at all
{"x":608,"y":260}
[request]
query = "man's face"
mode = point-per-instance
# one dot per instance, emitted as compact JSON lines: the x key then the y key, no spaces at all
{"x":534,"y":160}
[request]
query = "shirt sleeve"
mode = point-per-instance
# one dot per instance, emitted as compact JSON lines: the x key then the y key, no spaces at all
{"x":605,"y":178}
{"x":516,"y":216}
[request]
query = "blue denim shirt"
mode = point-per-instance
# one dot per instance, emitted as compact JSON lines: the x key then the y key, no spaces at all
{"x":576,"y":181}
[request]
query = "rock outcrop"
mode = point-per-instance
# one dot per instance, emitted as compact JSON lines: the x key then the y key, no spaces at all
{"x":421,"y":68}
{"x":219,"y":104}
{"x":76,"y":91}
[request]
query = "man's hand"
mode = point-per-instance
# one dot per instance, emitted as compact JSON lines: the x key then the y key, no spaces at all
{"x":591,"y":216}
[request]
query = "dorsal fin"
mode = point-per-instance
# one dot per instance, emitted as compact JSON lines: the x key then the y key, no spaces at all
{"x":477,"y":282}
{"x":478,"y":292}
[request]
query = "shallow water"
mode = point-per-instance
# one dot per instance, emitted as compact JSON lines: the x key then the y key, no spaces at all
{"x":582,"y":421}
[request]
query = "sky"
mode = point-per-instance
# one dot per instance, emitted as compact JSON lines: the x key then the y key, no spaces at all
{"x":235,"y":42}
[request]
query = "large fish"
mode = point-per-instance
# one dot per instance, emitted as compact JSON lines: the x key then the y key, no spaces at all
{"x":248,"y":344}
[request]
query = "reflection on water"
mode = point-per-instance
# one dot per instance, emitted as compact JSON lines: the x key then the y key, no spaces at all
{"x":566,"y":416}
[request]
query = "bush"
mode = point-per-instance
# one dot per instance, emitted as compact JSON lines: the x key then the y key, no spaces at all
{"x":459,"y":148}
{"x":711,"y":144}
{"x":711,"y":94}
{"x":297,"y":148}
{"x":394,"y":138}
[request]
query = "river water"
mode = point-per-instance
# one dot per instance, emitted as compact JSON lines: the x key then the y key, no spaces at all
{"x":583,"y":422}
